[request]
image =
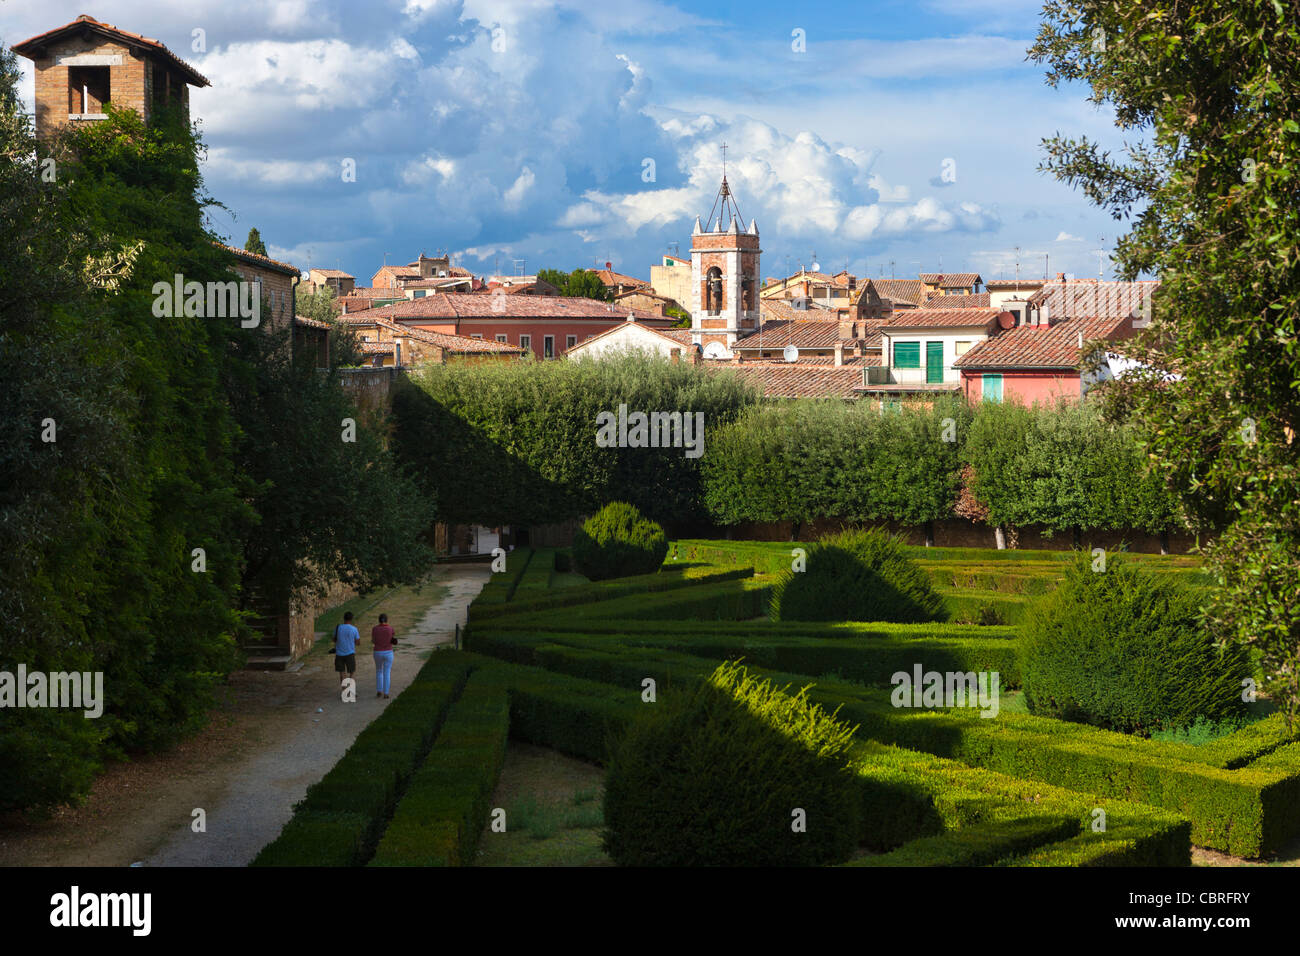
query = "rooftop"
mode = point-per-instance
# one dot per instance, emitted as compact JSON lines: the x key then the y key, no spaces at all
{"x":935,"y":318}
{"x":1041,"y":347}
{"x":35,"y":47}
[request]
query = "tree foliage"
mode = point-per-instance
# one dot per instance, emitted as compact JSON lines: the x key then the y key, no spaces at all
{"x":152,"y":459}
{"x":582,"y":283}
{"x":254,"y":242}
{"x":515,"y":442}
{"x":1210,"y":92}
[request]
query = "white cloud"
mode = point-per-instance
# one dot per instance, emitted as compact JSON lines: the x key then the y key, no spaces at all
{"x":1064,"y":236}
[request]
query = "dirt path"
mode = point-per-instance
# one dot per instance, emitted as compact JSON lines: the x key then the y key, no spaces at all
{"x":273,"y":734}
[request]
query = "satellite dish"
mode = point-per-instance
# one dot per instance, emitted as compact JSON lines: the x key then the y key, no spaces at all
{"x":816,"y":267}
{"x":791,"y":353}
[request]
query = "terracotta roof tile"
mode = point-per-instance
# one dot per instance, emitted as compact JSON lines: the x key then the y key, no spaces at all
{"x":1036,"y":346}
{"x":900,"y":290}
{"x":779,"y":333}
{"x":938,"y":300}
{"x":1078,"y":297}
{"x":611,"y":278}
{"x":934,"y":318}
{"x":797,"y":380}
{"x":31,"y":47}
{"x":951,"y":280}
{"x":254,"y":259}
{"x":373,"y":292}
{"x":447,"y":305}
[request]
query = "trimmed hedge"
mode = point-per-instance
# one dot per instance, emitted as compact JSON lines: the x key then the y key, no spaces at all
{"x":352,"y":802}
{"x":1246,"y":811}
{"x":618,"y":541}
{"x":667,"y":580}
{"x":906,"y":795}
{"x":1007,"y":834}
{"x":536,"y":578}
{"x":571,"y":715}
{"x":856,"y":576}
{"x":873,"y":661}
{"x":713,"y":776}
{"x":1127,"y":650}
{"x":501,"y":587}
{"x":442,"y":814}
{"x":912,"y":795}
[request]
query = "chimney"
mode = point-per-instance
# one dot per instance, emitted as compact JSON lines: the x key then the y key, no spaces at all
{"x":839,"y":354}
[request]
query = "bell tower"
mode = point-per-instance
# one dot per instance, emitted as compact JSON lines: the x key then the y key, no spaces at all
{"x":724,"y":273}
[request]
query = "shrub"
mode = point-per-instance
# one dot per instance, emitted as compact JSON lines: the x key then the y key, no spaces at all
{"x":857,"y":576}
{"x":712,"y":776}
{"x":1125,"y":650}
{"x":617,"y":541}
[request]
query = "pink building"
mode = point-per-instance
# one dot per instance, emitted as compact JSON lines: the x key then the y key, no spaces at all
{"x":1038,"y":362}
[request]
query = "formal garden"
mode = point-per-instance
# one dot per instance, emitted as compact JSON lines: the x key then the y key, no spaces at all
{"x":739,"y":703}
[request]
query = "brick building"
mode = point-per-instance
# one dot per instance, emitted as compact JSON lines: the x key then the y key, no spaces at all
{"x":724,"y":277}
{"x":84,"y":64}
{"x":548,"y":325}
{"x":277,"y":279}
{"x":336,"y":280}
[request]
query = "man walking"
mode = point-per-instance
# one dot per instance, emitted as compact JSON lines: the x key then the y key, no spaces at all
{"x":345,"y":647}
{"x":381,"y":635}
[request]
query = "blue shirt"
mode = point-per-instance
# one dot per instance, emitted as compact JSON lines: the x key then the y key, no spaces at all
{"x":345,"y":640}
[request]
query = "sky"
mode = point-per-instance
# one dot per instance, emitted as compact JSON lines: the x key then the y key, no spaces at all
{"x":887,"y":138}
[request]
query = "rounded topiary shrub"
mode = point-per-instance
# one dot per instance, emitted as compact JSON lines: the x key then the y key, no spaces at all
{"x":617,"y":541}
{"x":857,"y":576}
{"x":732,"y":772}
{"x":1123,"y":649}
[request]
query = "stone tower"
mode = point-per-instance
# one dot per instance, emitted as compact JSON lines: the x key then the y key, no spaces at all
{"x":724,"y":274}
{"x":84,"y":64}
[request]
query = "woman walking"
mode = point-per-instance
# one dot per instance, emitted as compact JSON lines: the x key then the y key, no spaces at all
{"x":381,"y":635}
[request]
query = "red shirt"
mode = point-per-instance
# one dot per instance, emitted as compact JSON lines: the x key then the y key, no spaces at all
{"x":382,"y":636}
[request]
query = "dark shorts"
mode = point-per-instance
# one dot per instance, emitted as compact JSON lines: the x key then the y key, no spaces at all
{"x":345,"y":662}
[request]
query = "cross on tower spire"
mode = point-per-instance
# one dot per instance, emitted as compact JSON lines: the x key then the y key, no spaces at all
{"x":725,"y":196}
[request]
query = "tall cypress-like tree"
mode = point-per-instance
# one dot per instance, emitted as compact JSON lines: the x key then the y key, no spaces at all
{"x":254,"y":242}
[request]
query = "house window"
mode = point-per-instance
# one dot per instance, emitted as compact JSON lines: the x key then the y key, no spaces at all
{"x":570,"y":341}
{"x":525,"y":341}
{"x":501,"y":337}
{"x":963,"y":347}
{"x":992,"y":387}
{"x":87,"y":89}
{"x":907,"y":355}
{"x":548,"y":346}
{"x":476,"y":335}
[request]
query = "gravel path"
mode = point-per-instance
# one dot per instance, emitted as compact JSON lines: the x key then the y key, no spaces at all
{"x":318,"y":727}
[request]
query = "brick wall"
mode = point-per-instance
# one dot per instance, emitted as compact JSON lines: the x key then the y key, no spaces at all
{"x":136,"y":81}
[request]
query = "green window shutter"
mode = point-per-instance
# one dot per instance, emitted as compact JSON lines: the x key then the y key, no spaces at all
{"x":934,"y":363}
{"x":992,"y":387}
{"x":907,"y":355}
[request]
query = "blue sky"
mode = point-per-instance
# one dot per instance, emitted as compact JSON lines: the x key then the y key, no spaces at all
{"x":571,"y":133}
